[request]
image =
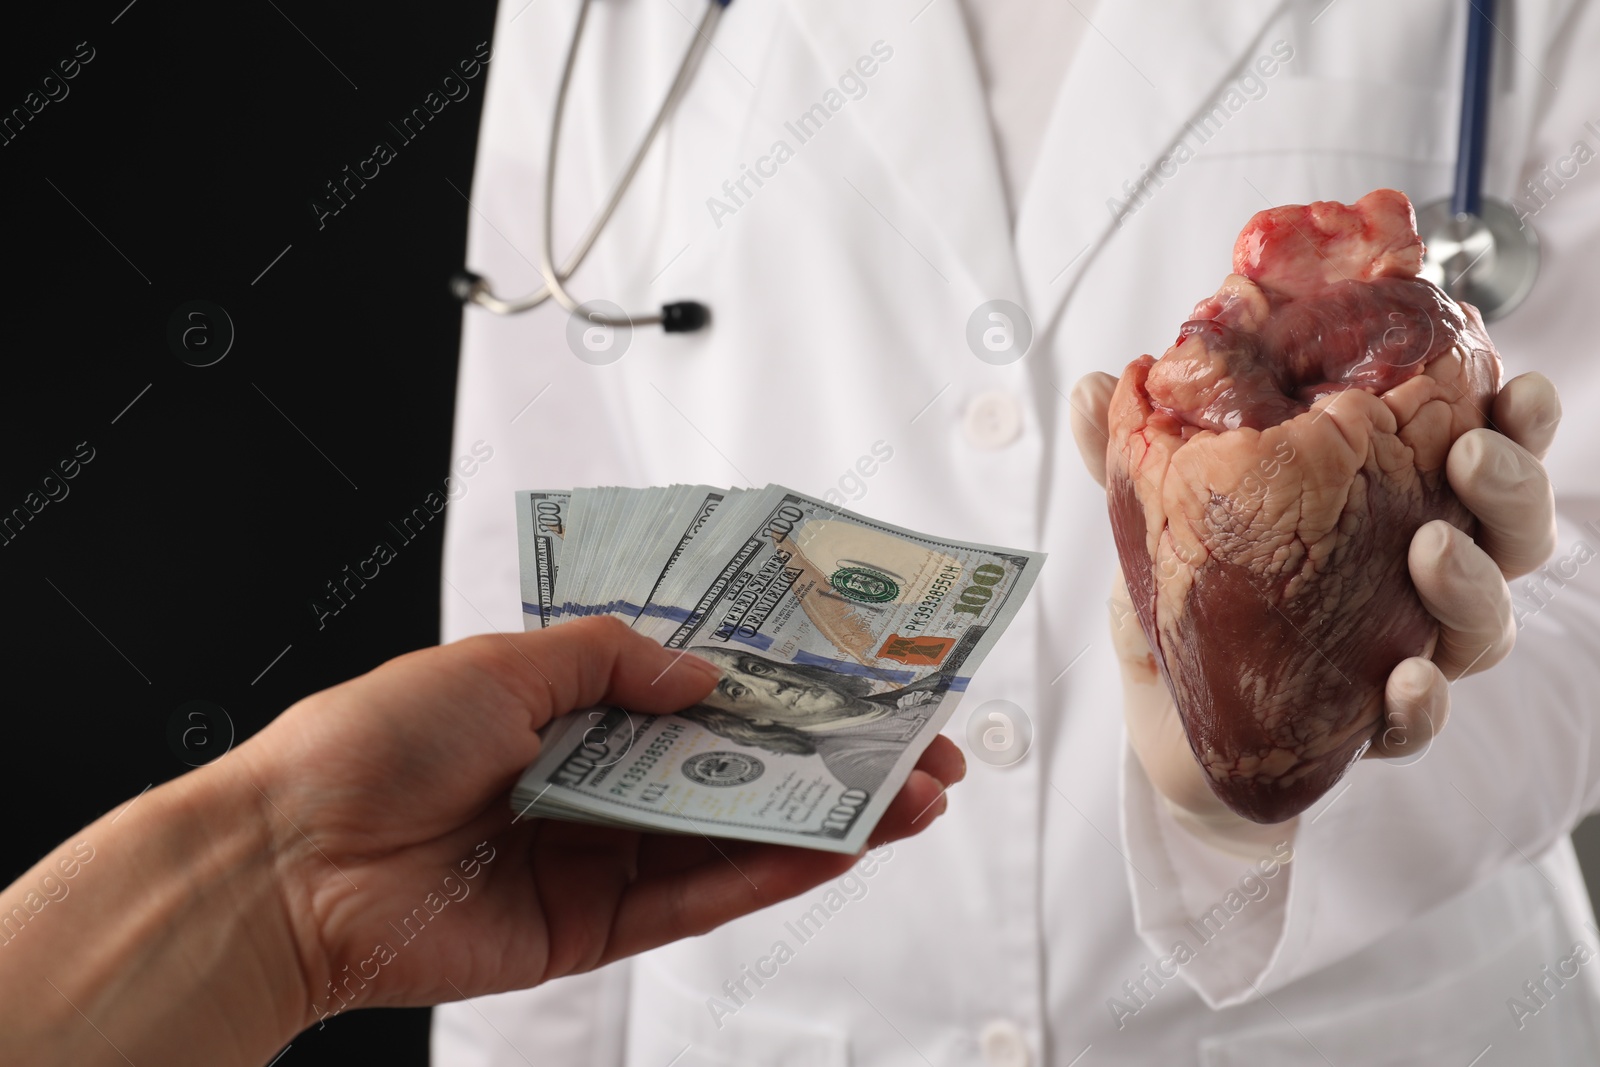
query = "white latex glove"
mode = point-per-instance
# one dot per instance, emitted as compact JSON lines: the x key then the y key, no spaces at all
{"x":1462,"y":582}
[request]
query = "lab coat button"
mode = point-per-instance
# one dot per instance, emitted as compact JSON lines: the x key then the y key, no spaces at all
{"x":992,"y":420}
{"x":1003,"y":1045}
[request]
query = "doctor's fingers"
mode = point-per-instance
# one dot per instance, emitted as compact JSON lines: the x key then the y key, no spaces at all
{"x":1461,"y":586}
{"x":1528,"y":410}
{"x":1507,"y":489}
{"x":1090,"y":399}
{"x":1416,"y":704}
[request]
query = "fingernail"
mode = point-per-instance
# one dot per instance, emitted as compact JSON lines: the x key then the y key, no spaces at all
{"x":704,"y":666}
{"x":936,"y":807}
{"x":1507,"y":468}
{"x":1549,"y":412}
{"x":1412,"y":683}
{"x":1436,"y":539}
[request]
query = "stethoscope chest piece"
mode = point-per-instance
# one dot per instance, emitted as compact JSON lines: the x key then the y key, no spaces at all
{"x":1477,"y":249}
{"x":1489,"y":260}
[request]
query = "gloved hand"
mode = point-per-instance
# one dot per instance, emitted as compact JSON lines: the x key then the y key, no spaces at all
{"x":1462,"y":582}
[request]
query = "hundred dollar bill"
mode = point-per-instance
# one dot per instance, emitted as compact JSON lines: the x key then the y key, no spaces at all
{"x":541,"y":528}
{"x":559,"y":586}
{"x":637,"y":536}
{"x":698,"y":504}
{"x":845,"y":644}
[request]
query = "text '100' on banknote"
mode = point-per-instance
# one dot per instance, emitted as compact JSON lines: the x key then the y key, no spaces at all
{"x":844,"y":645}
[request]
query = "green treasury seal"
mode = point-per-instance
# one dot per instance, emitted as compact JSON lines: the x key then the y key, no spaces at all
{"x":864,"y":585}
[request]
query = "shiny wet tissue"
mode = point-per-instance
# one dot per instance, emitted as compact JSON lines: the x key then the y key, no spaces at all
{"x":1265,"y":477}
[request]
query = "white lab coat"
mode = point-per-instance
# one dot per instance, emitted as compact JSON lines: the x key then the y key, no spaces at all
{"x":1421,"y":900}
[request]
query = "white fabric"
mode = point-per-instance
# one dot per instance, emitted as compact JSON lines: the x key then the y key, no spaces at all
{"x":1023,"y":48}
{"x":1419,"y":901}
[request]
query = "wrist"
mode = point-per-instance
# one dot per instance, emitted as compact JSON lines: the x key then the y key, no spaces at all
{"x":238,"y":882}
{"x":172,"y":944}
{"x":1197,"y":809}
{"x":1231,"y":834}
{"x":1156,"y":736}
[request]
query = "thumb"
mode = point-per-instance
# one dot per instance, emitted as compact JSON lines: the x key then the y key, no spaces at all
{"x":598,"y":660}
{"x":1127,"y":636}
{"x":647,"y":677}
{"x":1090,"y":399}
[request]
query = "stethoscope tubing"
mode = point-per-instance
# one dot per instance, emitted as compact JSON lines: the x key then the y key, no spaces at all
{"x":476,"y":290}
{"x":1466,"y":202}
{"x":1477,"y":71}
{"x":1480,"y":249}
{"x":555,"y":287}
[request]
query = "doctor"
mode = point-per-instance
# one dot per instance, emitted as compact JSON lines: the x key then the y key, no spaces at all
{"x":850,"y":187}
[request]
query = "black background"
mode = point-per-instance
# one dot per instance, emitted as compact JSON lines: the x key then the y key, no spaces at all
{"x":184,"y":558}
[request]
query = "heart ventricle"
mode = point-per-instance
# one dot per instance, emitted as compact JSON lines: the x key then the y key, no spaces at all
{"x":1265,"y":477}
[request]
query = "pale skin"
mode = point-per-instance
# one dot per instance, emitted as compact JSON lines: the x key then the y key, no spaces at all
{"x":215,"y":910}
{"x":1462,"y":582}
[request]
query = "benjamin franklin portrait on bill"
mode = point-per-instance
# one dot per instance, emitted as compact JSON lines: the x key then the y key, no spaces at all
{"x":801,"y":709}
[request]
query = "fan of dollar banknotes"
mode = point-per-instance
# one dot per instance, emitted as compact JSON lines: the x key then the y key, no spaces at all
{"x":844,"y":645}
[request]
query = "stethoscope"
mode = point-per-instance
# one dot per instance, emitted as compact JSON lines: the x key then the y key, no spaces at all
{"x":1477,"y":249}
{"x":680,"y":317}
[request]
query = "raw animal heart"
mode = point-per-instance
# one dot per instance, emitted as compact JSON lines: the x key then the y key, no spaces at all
{"x":1265,"y":477}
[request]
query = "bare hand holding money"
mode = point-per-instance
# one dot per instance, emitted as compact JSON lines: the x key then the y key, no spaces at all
{"x":359,"y":851}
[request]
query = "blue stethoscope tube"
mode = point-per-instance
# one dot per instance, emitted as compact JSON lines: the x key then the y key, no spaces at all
{"x":1475,"y":76}
{"x":1479,"y":250}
